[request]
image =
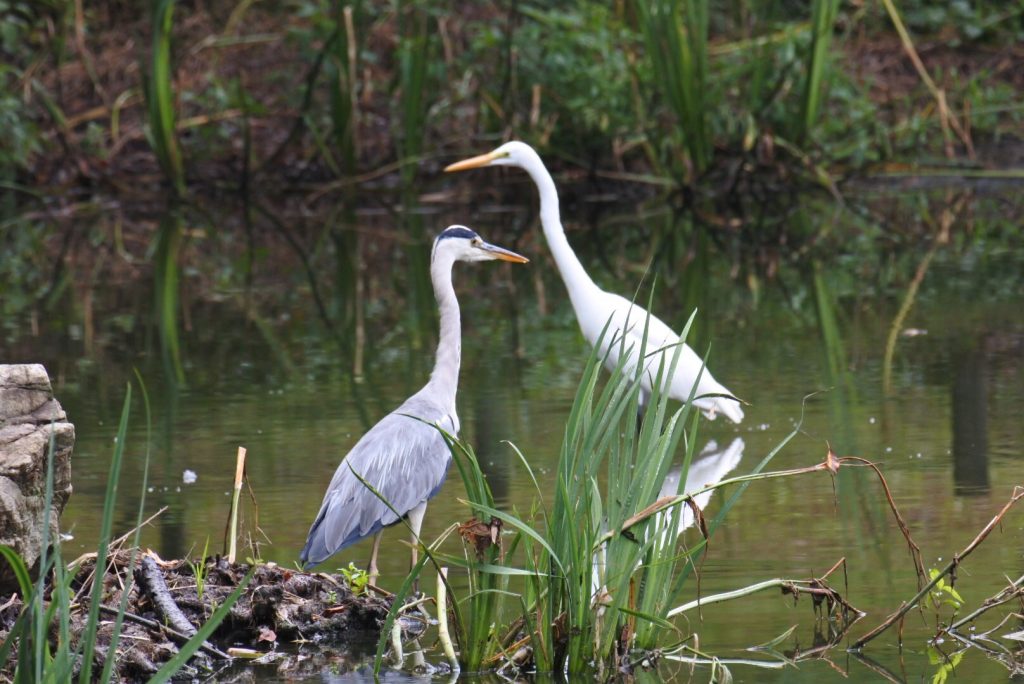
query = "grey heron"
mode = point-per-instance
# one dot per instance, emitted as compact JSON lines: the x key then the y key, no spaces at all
{"x":594,"y":307}
{"x":404,"y":457}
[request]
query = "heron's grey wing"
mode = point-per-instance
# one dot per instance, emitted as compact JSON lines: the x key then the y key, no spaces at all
{"x":403,"y":458}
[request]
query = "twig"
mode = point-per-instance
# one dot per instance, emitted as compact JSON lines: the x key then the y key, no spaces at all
{"x":396,"y":644}
{"x":945,"y":118}
{"x":669,"y":501}
{"x":1008,"y":594}
{"x":814,"y":586}
{"x":169,"y":631}
{"x":915,"y":550}
{"x":949,"y":214}
{"x":120,"y":540}
{"x":878,"y":668}
{"x":112,"y":559}
{"x":1018,"y":493}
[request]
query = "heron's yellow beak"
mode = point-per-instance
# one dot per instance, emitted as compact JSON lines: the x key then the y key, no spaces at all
{"x":504,"y":254}
{"x":472,"y":162}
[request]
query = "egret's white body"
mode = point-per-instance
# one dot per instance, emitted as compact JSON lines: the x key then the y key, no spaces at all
{"x":708,"y":468}
{"x":595,"y":308}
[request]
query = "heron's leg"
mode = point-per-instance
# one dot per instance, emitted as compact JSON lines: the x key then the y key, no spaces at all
{"x":416,"y":523}
{"x":372,"y":571}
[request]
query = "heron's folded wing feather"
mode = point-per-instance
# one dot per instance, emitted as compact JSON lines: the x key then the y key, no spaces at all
{"x":403,"y":458}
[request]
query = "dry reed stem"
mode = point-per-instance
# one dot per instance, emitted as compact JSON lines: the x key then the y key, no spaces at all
{"x":949,"y":569}
{"x":946,"y":118}
{"x":233,"y":524}
{"x":114,"y":548}
{"x":166,"y":629}
{"x":1015,"y":590}
{"x":915,"y":550}
{"x":949,"y":215}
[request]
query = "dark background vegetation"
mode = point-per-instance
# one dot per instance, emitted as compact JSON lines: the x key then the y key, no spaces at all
{"x":761,"y":126}
{"x":307,"y":92}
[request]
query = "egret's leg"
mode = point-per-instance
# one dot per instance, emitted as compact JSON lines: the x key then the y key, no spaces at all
{"x":416,"y":523}
{"x":641,"y":408}
{"x":372,"y":570}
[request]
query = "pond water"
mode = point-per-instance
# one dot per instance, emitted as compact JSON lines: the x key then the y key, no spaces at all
{"x":259,"y":368}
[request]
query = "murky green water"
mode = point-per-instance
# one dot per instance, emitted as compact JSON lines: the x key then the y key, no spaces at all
{"x":261,"y":371}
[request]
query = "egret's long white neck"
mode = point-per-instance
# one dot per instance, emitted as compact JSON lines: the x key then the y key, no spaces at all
{"x":445,"y":377}
{"x":575,"y":276}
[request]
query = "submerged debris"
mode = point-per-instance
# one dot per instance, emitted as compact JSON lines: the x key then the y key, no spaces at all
{"x":169,"y":600}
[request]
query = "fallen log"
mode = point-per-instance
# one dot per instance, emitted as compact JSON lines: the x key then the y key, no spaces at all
{"x":151,"y":581}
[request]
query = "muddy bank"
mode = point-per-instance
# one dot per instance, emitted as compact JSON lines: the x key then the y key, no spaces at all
{"x":169,"y":600}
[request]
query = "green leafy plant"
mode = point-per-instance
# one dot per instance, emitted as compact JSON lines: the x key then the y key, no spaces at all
{"x":357,"y":579}
{"x":943,"y":593}
{"x":201,"y":569}
{"x":946,"y":664}
{"x":414,"y":50}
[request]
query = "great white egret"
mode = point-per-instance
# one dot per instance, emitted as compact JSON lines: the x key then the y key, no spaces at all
{"x":404,"y":457}
{"x":594,"y":307}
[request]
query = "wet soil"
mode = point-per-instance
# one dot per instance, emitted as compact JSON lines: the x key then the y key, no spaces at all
{"x":279,"y":610}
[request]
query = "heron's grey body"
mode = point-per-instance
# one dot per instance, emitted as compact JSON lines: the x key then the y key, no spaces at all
{"x":404,"y":456}
{"x":417,"y":461}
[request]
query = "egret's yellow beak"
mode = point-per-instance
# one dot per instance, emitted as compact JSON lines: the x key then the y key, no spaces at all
{"x":473,"y":162}
{"x":502,"y":253}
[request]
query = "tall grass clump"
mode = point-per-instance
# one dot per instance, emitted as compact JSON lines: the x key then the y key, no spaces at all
{"x":414,"y":51}
{"x":592,"y":571}
{"x":589,"y":582}
{"x":48,"y":649}
{"x":823,"y":17}
{"x":676,"y":36}
{"x":341,"y":75}
{"x":161,"y":130}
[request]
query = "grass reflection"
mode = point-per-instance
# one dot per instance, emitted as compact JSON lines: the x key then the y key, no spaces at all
{"x":167,"y":296}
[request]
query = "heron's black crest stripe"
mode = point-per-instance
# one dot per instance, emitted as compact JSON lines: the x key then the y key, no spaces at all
{"x":457,"y":232}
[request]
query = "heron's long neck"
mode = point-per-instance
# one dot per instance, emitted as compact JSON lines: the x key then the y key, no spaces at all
{"x":445,"y":377}
{"x":576,"y":279}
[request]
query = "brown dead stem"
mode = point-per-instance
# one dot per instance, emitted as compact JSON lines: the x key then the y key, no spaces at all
{"x":115,"y":546}
{"x":946,"y":119}
{"x":1013,"y":591}
{"x":915,"y":550}
{"x":174,"y":634}
{"x":948,"y":216}
{"x":949,"y":569}
{"x":822,"y":593}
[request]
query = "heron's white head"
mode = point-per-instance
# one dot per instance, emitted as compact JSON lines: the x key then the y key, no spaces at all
{"x":513,"y":153}
{"x":459,"y":243}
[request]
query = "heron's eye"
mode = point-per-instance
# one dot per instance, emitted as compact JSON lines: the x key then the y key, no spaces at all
{"x":477,"y":242}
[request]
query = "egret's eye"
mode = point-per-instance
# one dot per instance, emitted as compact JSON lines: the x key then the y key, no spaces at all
{"x":477,"y":242}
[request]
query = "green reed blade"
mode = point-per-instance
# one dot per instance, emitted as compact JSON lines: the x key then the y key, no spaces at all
{"x":106,"y":525}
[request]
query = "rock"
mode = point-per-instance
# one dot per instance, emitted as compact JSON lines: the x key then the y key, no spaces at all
{"x":29,"y":415}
